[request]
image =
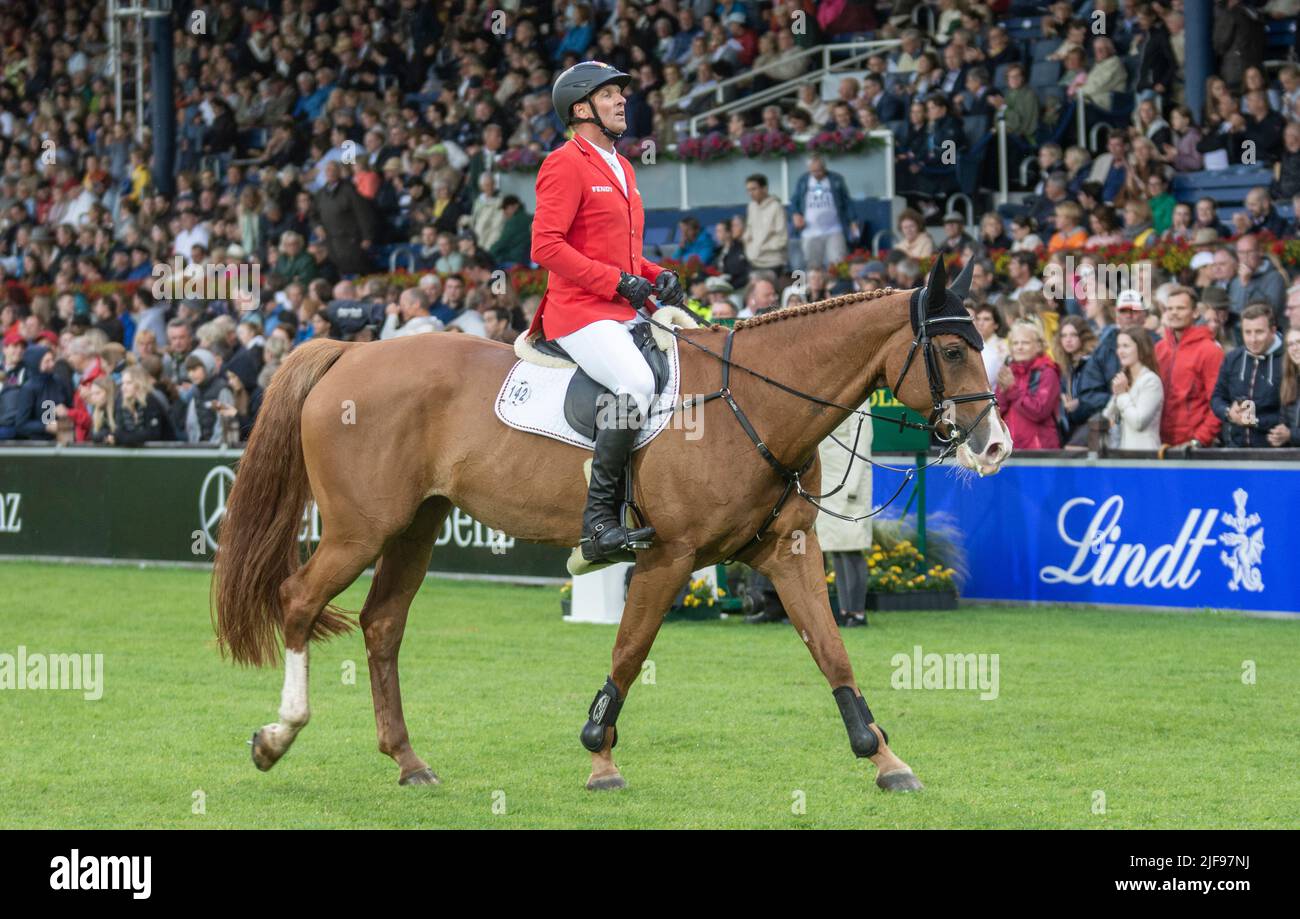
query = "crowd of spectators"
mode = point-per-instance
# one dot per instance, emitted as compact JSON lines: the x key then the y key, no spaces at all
{"x":315,"y":137}
{"x":1177,"y":368}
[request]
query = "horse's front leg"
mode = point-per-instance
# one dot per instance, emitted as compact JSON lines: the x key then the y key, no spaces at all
{"x":655,"y":583}
{"x":800,"y":579}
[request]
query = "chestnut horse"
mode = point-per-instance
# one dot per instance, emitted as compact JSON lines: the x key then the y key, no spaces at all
{"x":389,"y":436}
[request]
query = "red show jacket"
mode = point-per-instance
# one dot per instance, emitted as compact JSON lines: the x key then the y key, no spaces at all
{"x":586,"y":232}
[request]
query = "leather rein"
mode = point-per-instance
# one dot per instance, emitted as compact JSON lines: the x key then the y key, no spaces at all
{"x":955,"y":436}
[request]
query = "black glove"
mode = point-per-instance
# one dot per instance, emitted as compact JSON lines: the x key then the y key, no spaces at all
{"x":633,"y":289}
{"x":668,"y":289}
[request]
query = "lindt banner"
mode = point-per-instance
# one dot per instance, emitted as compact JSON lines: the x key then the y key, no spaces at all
{"x":1200,"y":535}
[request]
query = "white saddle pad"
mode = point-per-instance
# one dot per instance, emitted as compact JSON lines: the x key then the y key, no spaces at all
{"x":532,"y":399}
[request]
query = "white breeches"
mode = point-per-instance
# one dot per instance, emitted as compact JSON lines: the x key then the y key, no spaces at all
{"x":605,"y":350}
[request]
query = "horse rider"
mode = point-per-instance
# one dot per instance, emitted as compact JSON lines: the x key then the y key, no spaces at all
{"x":587,"y":233}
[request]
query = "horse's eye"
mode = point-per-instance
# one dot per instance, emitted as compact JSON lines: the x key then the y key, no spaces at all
{"x":952,"y":354}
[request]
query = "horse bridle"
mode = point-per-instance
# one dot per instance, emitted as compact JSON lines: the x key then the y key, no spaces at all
{"x":921,"y":341}
{"x":940,"y":401}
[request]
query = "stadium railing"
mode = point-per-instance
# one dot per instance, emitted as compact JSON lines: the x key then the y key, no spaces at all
{"x":858,"y":52}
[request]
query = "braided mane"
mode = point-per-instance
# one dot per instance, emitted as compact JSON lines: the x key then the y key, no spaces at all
{"x":804,"y":309}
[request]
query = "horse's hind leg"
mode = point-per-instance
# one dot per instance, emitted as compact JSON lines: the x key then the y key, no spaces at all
{"x":335,"y":564}
{"x":654,"y":584}
{"x":398,"y":576}
{"x":800,"y":579}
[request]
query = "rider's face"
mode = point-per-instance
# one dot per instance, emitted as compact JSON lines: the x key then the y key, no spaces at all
{"x":609,"y":103}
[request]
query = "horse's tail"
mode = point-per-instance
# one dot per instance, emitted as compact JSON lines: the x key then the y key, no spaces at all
{"x":258,"y":541}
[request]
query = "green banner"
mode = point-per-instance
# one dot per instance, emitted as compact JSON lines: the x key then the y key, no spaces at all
{"x":890,"y":436}
{"x":166,"y":505}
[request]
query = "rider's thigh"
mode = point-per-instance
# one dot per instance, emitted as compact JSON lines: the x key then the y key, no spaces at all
{"x":604,"y":349}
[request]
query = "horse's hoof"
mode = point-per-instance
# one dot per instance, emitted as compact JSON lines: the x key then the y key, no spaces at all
{"x":263,"y":756}
{"x":606,"y":782}
{"x":899,"y":780}
{"x":425,"y":776}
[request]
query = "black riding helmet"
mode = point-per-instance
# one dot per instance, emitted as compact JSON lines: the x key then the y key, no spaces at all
{"x":577,"y":85}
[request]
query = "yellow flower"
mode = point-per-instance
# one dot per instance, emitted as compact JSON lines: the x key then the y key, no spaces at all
{"x":721,"y":592}
{"x":710,"y":601}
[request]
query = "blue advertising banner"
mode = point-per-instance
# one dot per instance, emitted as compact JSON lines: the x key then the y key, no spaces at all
{"x":1200,"y":535}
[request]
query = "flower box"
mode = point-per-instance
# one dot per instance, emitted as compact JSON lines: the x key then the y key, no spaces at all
{"x":909,"y":600}
{"x":694,"y":613}
{"x":700,"y":598}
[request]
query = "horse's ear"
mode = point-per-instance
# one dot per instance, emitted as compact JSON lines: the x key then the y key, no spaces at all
{"x":961,"y":286}
{"x":937,"y":286}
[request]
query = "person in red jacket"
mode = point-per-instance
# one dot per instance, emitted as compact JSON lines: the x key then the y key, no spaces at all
{"x":587,"y":234}
{"x":1029,"y":388}
{"x":1189,"y":360}
{"x":83,"y":359}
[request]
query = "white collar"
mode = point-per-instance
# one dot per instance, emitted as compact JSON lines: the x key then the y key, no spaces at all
{"x":609,"y":155}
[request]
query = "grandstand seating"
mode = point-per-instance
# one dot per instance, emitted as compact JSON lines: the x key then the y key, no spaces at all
{"x":1044,"y":73}
{"x":871,"y":214}
{"x":1226,"y":186}
{"x":1281,"y":36}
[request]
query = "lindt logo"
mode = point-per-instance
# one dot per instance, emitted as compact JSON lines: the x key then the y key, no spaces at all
{"x":1101,"y":558}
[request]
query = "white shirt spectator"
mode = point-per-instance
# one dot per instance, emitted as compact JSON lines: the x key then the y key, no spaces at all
{"x":470,"y":321}
{"x":995,"y":354}
{"x":1031,"y":284}
{"x":79,"y":208}
{"x":187,"y":239}
{"x":1137,"y":413}
{"x":415,"y":326}
{"x":819,"y":214}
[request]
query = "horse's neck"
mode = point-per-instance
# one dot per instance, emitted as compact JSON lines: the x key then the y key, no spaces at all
{"x":836,"y":355}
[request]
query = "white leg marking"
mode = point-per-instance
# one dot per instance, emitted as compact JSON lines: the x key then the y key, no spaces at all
{"x":293,"y":701}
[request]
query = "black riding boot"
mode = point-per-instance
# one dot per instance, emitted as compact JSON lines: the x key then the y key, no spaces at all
{"x":603,"y":534}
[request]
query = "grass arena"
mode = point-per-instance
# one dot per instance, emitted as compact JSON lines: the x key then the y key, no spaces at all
{"x":1100,"y":718}
{"x":336,"y":334}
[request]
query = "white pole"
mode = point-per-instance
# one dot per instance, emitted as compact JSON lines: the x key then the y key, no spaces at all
{"x":115,"y":56}
{"x":139,"y":79}
{"x":1003,"y":182}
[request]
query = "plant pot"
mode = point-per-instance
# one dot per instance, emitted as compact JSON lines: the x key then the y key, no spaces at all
{"x":566,"y":605}
{"x":912,"y":600}
{"x":694,"y":613}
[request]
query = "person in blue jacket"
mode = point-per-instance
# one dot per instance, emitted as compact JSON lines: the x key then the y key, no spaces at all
{"x":694,"y":242}
{"x":1247,"y":397}
{"x":42,"y":390}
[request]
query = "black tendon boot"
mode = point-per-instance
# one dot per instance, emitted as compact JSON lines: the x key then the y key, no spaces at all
{"x":603,"y":534}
